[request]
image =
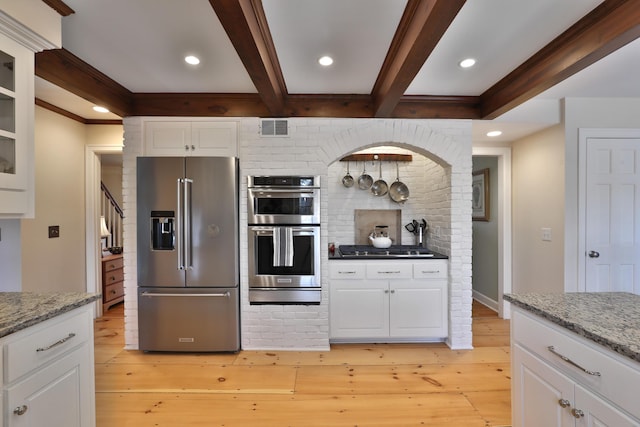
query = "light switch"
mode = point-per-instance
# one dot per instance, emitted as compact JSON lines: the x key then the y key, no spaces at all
{"x":546,"y":234}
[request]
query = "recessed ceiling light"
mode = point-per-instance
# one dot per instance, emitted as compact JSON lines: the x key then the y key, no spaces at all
{"x":193,"y":60}
{"x":99,"y":109}
{"x":325,"y":61}
{"x":494,"y":133}
{"x":466,"y":63}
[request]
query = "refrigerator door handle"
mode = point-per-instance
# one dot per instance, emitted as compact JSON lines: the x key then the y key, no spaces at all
{"x":188,"y":248}
{"x":219,"y":295}
{"x":180,"y":228}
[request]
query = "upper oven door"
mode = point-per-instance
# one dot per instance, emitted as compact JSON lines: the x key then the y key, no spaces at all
{"x":283,"y":206}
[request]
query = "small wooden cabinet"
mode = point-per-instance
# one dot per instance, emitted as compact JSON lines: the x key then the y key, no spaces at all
{"x":112,"y":281}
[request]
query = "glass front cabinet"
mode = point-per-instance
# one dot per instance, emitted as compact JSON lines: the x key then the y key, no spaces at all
{"x":16,"y":129}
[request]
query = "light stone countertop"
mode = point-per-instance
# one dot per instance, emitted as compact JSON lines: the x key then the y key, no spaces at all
{"x":611,"y":319}
{"x":19,"y":310}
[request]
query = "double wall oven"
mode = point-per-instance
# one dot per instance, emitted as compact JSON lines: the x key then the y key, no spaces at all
{"x":284,"y":239}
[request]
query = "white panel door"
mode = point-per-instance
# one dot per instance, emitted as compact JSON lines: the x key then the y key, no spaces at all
{"x":612,"y":215}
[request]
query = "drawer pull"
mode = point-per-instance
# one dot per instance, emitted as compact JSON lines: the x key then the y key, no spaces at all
{"x":389,"y":272}
{"x":430,"y":271}
{"x":57,"y":343}
{"x":571,"y":362}
{"x":20,"y":410}
{"x":564,"y":403}
{"x":346,"y":272}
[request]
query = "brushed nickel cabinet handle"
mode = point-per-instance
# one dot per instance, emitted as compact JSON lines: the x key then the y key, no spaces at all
{"x":57,"y":343}
{"x":577,"y":413}
{"x":564,"y":403}
{"x":21,"y":410}
{"x":571,"y":362}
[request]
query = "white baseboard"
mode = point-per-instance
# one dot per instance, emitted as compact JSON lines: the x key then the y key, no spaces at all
{"x":485,"y":300}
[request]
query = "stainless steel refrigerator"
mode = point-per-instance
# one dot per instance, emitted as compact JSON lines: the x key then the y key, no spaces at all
{"x":188,"y":268}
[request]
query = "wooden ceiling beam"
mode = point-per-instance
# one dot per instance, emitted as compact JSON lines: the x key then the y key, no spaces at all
{"x":421,"y":28}
{"x":64,"y":69}
{"x":246,"y":25}
{"x":59,"y":6}
{"x":611,"y":25}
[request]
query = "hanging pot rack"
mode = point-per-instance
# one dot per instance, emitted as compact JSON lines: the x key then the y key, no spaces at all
{"x":377,"y":157}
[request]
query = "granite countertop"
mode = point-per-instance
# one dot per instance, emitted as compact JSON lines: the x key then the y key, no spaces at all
{"x":19,"y":310}
{"x":611,"y":319}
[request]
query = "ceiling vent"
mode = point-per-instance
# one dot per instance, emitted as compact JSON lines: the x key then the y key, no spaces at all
{"x":273,"y":127}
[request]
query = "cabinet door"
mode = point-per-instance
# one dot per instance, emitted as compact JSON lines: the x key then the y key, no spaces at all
{"x":167,"y":138}
{"x":55,"y":396}
{"x":359,"y":309}
{"x":595,"y":412}
{"x":218,"y":139}
{"x":541,"y":396}
{"x":16,"y":120}
{"x":417,"y":308}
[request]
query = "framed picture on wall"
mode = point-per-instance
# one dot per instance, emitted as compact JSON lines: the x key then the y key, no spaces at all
{"x":480,"y":190}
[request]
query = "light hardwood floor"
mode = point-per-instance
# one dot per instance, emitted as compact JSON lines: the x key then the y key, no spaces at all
{"x":351,"y":385}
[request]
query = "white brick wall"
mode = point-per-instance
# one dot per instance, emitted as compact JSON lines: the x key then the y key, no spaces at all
{"x":439,"y":179}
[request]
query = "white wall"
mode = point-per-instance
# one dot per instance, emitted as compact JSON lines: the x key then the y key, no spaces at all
{"x":587,"y":113}
{"x":10,"y":258}
{"x":538,"y":202}
{"x":312,"y":146}
{"x":58,"y":263}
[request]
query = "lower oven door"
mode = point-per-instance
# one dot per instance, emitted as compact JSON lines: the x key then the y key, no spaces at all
{"x":284,"y":263}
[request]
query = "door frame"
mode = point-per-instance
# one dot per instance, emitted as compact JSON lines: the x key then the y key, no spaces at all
{"x":505,"y":256}
{"x":584,"y":134}
{"x":93,"y":254}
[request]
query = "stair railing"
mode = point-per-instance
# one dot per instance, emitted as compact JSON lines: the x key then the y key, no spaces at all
{"x":113,"y":216}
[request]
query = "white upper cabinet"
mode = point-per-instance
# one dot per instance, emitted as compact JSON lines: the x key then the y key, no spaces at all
{"x":191,"y":138}
{"x":18,"y":44}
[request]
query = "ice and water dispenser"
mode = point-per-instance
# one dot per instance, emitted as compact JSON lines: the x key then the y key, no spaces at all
{"x":162,"y":230}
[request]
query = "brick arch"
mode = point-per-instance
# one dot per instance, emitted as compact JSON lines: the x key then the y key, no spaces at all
{"x":421,"y":139}
{"x":447,"y":143}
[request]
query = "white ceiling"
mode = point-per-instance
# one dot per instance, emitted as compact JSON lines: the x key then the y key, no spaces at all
{"x":141,"y":45}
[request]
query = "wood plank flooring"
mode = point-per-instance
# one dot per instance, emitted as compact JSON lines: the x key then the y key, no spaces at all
{"x":351,"y":385}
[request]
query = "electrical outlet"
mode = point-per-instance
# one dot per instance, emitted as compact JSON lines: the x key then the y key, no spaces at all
{"x":54,"y":231}
{"x":546,"y":234}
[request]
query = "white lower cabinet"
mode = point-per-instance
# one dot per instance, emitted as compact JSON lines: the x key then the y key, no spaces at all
{"x":49,"y":373}
{"x":549,"y":390}
{"x":388,"y":301}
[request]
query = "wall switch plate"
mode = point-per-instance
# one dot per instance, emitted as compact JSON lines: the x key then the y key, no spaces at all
{"x":54,"y":231}
{"x":546,"y":234}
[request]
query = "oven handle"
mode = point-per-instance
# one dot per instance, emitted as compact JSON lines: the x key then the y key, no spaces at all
{"x":269,"y":230}
{"x":304,"y":192}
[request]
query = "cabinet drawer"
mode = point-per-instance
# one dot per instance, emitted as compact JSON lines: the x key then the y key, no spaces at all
{"x":341,"y":270}
{"x":42,"y":343}
{"x":113,"y":264}
{"x":389,"y":270}
{"x":113,"y":291}
{"x":436,"y":269}
{"x":113,"y":276}
{"x":618,"y":379}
